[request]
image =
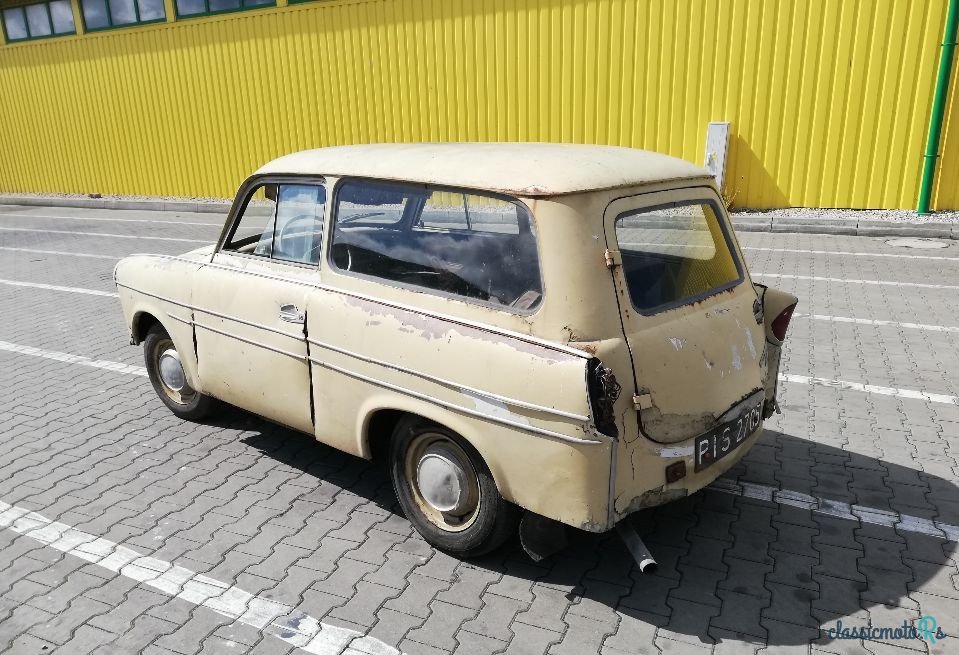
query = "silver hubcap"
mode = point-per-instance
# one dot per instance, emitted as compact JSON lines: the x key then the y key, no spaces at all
{"x":171,"y":371}
{"x":442,"y":481}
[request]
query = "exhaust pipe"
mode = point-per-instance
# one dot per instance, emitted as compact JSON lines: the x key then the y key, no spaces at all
{"x":636,"y":547}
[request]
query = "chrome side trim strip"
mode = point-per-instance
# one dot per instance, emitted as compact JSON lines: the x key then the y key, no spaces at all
{"x":519,"y":336}
{"x":260,"y":326}
{"x":550,"y":345}
{"x":213,"y":313}
{"x":158,"y":297}
{"x":450,"y":383}
{"x":280,"y":351}
{"x":232,"y":269}
{"x":457,"y":408}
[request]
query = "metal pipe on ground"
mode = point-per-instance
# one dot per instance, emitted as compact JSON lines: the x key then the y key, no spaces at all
{"x":634,"y":543}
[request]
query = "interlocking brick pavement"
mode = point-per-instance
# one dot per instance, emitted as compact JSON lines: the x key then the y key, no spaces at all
{"x":278,"y":515}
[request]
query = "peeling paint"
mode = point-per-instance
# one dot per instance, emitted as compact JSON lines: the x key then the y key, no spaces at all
{"x":495,"y":408}
{"x":434,"y":327}
{"x":750,"y":343}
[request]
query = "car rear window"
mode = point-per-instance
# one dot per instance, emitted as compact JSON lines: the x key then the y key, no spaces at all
{"x":459,"y":243}
{"x":675,"y":254}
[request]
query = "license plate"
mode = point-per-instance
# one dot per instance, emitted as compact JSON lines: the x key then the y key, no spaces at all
{"x":720,"y":441}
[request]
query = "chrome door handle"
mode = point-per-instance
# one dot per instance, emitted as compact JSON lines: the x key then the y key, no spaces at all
{"x":291,"y":314}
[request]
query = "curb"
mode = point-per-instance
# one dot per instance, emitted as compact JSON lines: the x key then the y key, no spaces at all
{"x":839,"y":226}
{"x":848,"y":227}
{"x":106,"y":203}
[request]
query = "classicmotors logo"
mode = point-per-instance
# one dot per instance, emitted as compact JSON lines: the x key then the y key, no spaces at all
{"x":925,"y":628}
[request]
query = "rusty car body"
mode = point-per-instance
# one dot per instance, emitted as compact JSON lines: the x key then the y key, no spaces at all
{"x":566,"y":329}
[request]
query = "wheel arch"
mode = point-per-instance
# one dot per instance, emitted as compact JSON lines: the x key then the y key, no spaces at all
{"x":379,"y":417}
{"x":146,"y":315}
{"x":142,"y":321}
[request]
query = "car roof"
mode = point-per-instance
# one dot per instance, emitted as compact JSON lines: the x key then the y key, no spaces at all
{"x":522,"y":169}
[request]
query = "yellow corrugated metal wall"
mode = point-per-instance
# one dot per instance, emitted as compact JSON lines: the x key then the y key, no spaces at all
{"x":829,"y":101}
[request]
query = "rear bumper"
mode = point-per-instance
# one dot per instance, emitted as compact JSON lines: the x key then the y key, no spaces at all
{"x":650,"y":489}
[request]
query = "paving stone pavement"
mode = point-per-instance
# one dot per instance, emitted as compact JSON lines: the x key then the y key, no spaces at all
{"x":273,"y":513}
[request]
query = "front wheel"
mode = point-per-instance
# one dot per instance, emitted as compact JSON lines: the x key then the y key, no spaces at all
{"x":168,"y":379}
{"x":446,"y":490}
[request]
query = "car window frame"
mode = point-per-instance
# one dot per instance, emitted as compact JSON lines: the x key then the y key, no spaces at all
{"x":728,"y":235}
{"x":406,"y":223}
{"x":242,"y":199}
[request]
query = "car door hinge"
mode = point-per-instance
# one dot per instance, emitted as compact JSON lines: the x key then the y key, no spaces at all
{"x":613,"y":258}
{"x":642,"y":401}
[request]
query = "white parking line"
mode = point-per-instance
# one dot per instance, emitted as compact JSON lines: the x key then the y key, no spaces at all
{"x":284,"y":622}
{"x":871,"y":388}
{"x":113,"y":220}
{"x":65,"y":253}
{"x":867,"y":321}
{"x":6,"y":346}
{"x":56,"y":287}
{"x":817,"y":278}
{"x":102,"y":234}
{"x":847,"y":253}
{"x":839,"y":509}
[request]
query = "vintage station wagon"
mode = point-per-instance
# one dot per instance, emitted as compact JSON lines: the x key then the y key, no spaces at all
{"x":568,"y":330}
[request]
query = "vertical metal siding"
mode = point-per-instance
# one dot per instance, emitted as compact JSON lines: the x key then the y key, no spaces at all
{"x":829,"y":101}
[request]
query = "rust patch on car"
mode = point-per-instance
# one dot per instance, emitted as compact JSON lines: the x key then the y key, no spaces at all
{"x":651,"y":498}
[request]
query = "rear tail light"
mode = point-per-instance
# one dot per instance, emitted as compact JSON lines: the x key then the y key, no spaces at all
{"x":781,"y":322}
{"x":603,"y":392}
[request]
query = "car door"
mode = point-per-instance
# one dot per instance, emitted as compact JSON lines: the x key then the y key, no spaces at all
{"x":250,"y":302}
{"x":689,"y":315}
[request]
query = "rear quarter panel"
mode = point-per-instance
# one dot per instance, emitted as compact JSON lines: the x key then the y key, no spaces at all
{"x":513,"y":399}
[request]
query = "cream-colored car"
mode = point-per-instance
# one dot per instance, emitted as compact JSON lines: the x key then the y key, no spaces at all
{"x":565,"y":329}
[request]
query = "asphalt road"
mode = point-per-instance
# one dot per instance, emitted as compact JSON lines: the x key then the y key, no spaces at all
{"x":125,"y":530}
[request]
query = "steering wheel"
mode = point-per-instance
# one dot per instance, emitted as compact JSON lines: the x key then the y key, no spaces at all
{"x":285,"y":232}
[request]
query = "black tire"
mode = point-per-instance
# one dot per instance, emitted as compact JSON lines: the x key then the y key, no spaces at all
{"x":475,"y":532}
{"x":186,"y":403}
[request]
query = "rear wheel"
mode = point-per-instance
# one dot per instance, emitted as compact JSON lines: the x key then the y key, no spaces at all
{"x":168,"y":379}
{"x":447,"y":491}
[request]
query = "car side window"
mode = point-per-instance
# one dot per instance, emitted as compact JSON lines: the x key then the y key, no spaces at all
{"x":283,"y":222}
{"x":462,"y":243}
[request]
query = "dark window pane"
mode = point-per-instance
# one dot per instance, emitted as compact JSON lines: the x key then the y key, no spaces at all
{"x":444,"y":211}
{"x":223,"y":5}
{"x":492,"y":215}
{"x":38,"y":20}
{"x":492,"y":266}
{"x":16,"y":23}
{"x":369,"y":203}
{"x":674,"y":254}
{"x":62,"y":16}
{"x":257,"y":3}
{"x":190,"y":7}
{"x":95,"y":14}
{"x":152,"y":10}
{"x":122,"y":12}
